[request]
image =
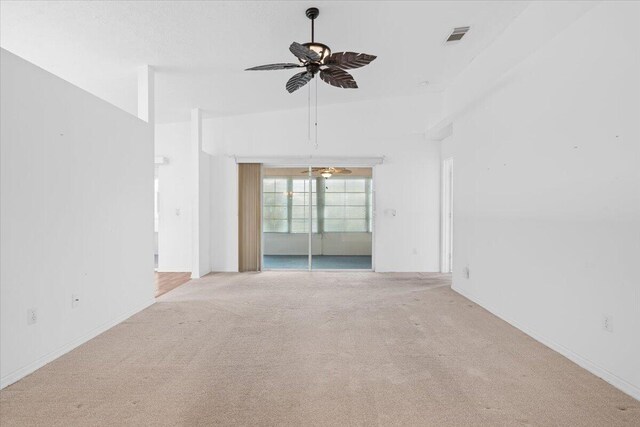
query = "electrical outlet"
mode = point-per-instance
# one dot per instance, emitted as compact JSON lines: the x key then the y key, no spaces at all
{"x":75,"y":300}
{"x":607,"y":323}
{"x":32,"y":316}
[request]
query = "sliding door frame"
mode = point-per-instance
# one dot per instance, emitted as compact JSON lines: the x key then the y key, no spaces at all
{"x":309,"y":165}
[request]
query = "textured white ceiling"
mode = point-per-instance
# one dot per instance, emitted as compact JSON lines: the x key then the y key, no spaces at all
{"x":200,"y":48}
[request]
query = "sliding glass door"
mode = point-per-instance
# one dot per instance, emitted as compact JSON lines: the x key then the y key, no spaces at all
{"x":318,"y":218}
{"x":286,"y":218}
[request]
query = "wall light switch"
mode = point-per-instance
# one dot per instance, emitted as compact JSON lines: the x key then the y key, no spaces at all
{"x":75,"y":301}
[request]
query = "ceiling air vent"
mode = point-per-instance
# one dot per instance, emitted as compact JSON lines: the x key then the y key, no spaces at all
{"x":457,"y":34}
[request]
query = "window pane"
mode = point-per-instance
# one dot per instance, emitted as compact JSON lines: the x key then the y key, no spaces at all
{"x":345,"y":207}
{"x":269,"y":199}
{"x":299,"y":212}
{"x":281,"y":185}
{"x":299,"y":185}
{"x":302,"y":199}
{"x":280,"y":199}
{"x":356,"y":199}
{"x":275,"y":226}
{"x":299,"y":199}
{"x":334,"y":212}
{"x":334,"y":185}
{"x":275,"y":212}
{"x":269,"y":185}
{"x":355,"y":185}
{"x":355,"y":212}
{"x":334,"y":199}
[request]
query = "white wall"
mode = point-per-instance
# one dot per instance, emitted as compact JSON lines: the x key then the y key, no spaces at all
{"x":76,"y":216}
{"x":547,"y":198}
{"x":174,"y":180}
{"x":408,"y":181}
{"x":224,"y":212}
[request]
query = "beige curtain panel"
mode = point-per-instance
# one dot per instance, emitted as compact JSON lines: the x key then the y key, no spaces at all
{"x":249,"y":216}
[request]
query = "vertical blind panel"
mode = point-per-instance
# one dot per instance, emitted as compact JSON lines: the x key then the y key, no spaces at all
{"x":249,"y":233}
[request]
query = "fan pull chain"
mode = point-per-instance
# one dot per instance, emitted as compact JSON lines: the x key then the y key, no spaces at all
{"x":316,"y":145}
{"x":309,"y":113}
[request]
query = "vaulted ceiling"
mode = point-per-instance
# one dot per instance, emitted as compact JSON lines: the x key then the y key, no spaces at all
{"x":200,"y":49}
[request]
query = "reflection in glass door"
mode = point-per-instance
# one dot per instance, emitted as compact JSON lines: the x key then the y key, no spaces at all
{"x":320,"y":218}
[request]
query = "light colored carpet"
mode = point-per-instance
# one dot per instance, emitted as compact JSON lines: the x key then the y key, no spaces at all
{"x":284,"y":348}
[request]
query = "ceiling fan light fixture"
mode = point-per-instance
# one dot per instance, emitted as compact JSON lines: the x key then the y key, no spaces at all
{"x":326,"y":175}
{"x":321,"y":49}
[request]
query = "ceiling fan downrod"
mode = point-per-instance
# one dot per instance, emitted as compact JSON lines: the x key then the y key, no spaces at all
{"x":312,"y":13}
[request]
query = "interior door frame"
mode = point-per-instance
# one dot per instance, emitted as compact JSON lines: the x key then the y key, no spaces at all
{"x":309,"y":165}
{"x":446,"y":229}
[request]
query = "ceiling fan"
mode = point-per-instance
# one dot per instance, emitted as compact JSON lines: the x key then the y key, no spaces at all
{"x":317,"y":58}
{"x":328,"y":172}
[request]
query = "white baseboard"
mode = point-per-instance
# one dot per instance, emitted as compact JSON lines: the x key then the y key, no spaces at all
{"x":581,"y":361}
{"x":50,"y":357}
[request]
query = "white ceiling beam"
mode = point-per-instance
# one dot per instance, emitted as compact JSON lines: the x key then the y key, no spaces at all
{"x":442,"y":130}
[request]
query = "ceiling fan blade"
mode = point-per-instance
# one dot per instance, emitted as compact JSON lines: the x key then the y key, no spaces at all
{"x":347,"y":60}
{"x":344,"y":171}
{"x":338,"y":78}
{"x":298,"y":80}
{"x":303,"y":53}
{"x":279,"y":66}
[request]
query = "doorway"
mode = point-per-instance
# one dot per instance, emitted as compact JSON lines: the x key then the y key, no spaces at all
{"x":156,"y":217}
{"x":317,"y":218}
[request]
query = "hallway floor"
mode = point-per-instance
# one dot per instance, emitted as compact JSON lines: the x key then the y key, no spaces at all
{"x":289,"y":348}
{"x":168,"y":281}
